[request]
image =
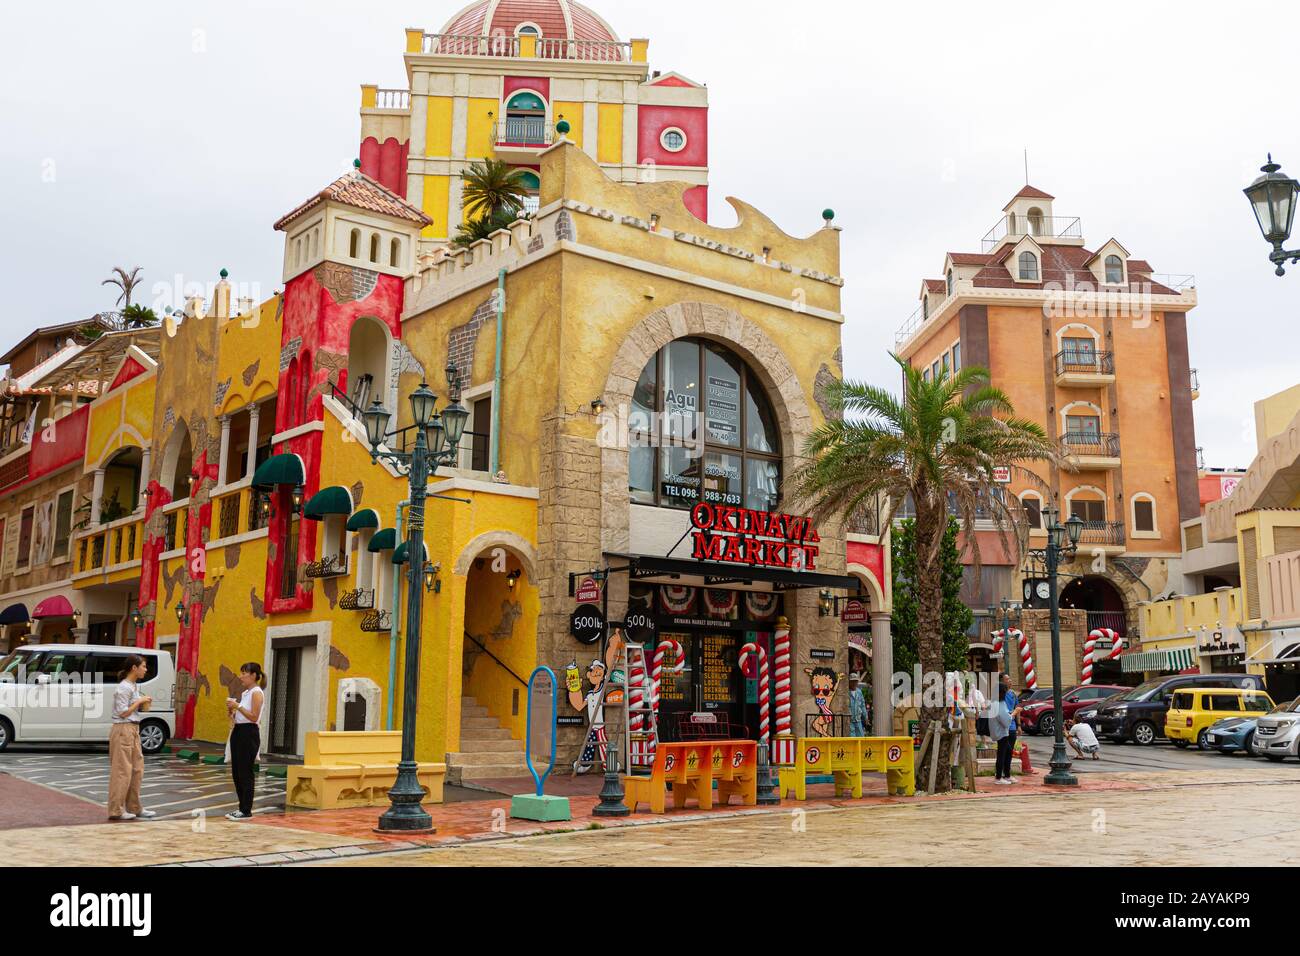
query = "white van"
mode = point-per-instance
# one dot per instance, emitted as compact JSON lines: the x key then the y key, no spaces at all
{"x":64,"y":693}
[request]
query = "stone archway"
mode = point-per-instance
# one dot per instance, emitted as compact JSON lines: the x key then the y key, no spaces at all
{"x":519,"y":546}
{"x":703,"y":320}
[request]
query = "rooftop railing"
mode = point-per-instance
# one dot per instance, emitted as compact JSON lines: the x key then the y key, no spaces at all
{"x":393,"y":99}
{"x":1047,"y":227}
{"x":544,"y":48}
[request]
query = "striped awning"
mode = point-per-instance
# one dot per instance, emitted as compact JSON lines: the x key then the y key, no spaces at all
{"x":1168,"y":659}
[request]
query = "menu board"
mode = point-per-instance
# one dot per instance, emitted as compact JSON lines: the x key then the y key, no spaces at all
{"x":677,"y":687}
{"x":722,"y":412}
{"x":717,"y":669}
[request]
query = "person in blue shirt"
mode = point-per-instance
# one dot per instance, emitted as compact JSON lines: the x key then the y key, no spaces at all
{"x":1002,"y":728}
{"x":859,"y":714}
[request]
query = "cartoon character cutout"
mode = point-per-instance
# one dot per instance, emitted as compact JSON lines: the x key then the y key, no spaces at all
{"x":593,"y":702}
{"x":823,"y":681}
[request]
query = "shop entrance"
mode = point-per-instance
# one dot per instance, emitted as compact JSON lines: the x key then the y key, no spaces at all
{"x":710,"y":683}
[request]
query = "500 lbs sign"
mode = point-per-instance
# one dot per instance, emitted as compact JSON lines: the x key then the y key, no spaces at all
{"x":587,"y":623}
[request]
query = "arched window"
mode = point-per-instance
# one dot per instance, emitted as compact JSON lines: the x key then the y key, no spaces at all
{"x":525,"y":120}
{"x":1032,"y":502}
{"x":528,"y":30}
{"x":178,"y":462}
{"x":948,"y":281}
{"x":354,"y":244}
{"x":374,"y":247}
{"x":1114,"y":269}
{"x":1028,"y":266}
{"x":702,"y":429}
{"x":1144,"y":514}
{"x":297,"y":252}
{"x":1036,"y":221}
{"x":395,"y":253}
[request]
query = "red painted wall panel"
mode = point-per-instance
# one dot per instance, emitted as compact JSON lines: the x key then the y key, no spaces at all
{"x":539,"y":84}
{"x":691,"y":120}
{"x":696,"y":200}
{"x":68,"y":443}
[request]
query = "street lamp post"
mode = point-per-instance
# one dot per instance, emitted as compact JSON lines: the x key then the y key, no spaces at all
{"x":1273,"y":197}
{"x":1062,"y":542}
{"x":405,"y":814}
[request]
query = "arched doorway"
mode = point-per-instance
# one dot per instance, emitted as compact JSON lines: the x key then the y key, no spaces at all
{"x":177,"y":463}
{"x":368,"y":351}
{"x":121,"y":484}
{"x":1105,"y":606}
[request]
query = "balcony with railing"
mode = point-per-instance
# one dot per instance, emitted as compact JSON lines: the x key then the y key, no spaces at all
{"x":1011,"y":228}
{"x":330,"y":566}
{"x":1084,"y":367}
{"x":358,"y":599}
{"x":1091,"y":450}
{"x":529,"y":47}
{"x":1102,"y":534}
{"x":114,"y":546}
{"x":1195,"y":376}
{"x":377,"y":622}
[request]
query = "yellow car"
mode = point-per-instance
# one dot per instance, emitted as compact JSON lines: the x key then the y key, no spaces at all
{"x":1193,"y":711}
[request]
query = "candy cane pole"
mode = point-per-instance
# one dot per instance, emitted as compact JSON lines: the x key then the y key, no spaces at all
{"x":656,"y":672}
{"x":1026,"y":658}
{"x":781,"y":639}
{"x":763,"y":695}
{"x":1094,"y":637}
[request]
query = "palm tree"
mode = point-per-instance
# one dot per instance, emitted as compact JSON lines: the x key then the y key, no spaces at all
{"x":126,"y":281}
{"x":491,"y":187}
{"x":471,"y":231}
{"x":139,"y":317}
{"x":937,"y":445}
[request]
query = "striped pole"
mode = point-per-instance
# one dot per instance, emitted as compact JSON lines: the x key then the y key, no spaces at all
{"x":656,"y":672}
{"x":763,"y":694}
{"x":781,"y":646}
{"x":1095,"y":637}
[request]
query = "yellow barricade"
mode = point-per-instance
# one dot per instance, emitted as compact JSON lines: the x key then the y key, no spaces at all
{"x":846,"y":758}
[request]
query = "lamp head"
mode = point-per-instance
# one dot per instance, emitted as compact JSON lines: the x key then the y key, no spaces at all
{"x":1273,"y":198}
{"x":423,"y":405}
{"x":376,"y":419}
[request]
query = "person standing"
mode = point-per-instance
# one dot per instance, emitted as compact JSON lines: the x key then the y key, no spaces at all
{"x":859,"y":715}
{"x":245,"y":737}
{"x":1002,"y":727}
{"x":126,"y":759}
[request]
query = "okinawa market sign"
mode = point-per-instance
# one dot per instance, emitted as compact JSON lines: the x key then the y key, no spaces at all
{"x":755,"y":538}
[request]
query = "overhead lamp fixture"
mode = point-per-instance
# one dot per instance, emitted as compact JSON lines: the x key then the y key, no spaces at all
{"x":512,"y":577}
{"x":296,"y":496}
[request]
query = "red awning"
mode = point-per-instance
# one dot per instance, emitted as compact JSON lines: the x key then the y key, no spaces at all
{"x":57,"y":606}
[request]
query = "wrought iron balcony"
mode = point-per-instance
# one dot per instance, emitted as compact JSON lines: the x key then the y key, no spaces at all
{"x":376,"y":622}
{"x":358,"y":599}
{"x":531,"y":131}
{"x":1091,"y":444}
{"x":1084,"y":362}
{"x":1048,"y":227}
{"x":330,"y":566}
{"x":1102,"y":534}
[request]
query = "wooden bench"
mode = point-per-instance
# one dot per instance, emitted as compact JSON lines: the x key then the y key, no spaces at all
{"x":692,"y":768}
{"x":354,"y":768}
{"x":846,"y":758}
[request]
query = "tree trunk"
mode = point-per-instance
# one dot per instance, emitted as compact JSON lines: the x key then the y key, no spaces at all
{"x":930,"y":527}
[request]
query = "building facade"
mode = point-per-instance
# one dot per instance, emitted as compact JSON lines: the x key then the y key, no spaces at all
{"x":638,"y":383}
{"x":1092,"y":345}
{"x":497,"y":80}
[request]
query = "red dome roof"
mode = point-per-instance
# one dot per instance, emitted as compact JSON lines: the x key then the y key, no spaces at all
{"x":554,"y":18}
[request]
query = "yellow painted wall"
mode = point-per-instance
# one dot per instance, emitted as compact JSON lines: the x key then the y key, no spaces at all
{"x":249,"y":356}
{"x":122,"y":419}
{"x":609,"y":148}
{"x":481,"y":131}
{"x":1275,"y":413}
{"x":438,"y":126}
{"x":572,"y":113}
{"x":490,"y":616}
{"x":437,"y":194}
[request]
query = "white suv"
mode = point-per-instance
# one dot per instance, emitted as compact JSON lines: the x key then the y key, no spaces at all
{"x":64,"y":693}
{"x":1277,"y":733}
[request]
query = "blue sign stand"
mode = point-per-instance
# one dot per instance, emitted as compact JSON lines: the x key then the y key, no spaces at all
{"x":540,"y":806}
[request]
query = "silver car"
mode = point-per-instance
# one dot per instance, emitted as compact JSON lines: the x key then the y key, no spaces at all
{"x":1277,"y":733}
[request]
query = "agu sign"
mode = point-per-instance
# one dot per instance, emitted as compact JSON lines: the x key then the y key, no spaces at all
{"x":754,"y":538}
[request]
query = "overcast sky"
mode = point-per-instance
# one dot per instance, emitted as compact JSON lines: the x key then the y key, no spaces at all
{"x":171,"y":135}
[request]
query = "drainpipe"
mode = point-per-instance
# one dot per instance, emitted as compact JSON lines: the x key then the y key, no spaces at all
{"x":392,"y":627}
{"x":495,"y":439}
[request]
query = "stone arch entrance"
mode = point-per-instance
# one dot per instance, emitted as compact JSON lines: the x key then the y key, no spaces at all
{"x":1105,"y":606}
{"x":498,"y":650}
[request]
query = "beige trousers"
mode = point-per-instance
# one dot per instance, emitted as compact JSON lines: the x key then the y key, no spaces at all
{"x":126,"y":769}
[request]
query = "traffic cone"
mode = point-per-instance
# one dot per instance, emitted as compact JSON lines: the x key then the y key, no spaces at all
{"x":1025,"y":766}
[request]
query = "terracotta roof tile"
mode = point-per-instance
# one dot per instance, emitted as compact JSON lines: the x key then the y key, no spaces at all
{"x":1139,"y":265}
{"x":360,"y":191}
{"x":968,"y":258}
{"x":936,"y":285}
{"x":1030,"y":192}
{"x":1060,"y":265}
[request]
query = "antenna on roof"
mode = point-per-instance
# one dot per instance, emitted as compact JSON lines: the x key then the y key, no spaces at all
{"x":1026,"y":167}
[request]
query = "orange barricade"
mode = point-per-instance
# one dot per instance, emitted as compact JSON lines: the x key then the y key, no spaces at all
{"x":692,"y":769}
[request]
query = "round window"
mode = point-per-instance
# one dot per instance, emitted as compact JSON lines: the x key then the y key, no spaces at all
{"x":673,"y":139}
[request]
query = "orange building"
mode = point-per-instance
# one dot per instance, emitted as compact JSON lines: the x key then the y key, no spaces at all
{"x":1091,"y":344}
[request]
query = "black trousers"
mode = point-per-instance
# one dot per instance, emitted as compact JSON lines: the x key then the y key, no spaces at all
{"x":245,"y":741}
{"x":1003,"y":766}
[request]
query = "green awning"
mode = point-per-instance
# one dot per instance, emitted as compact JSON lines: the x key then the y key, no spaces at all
{"x":1169,"y":659}
{"x":399,"y":556}
{"x":385,"y":540}
{"x":280,"y":470}
{"x":526,"y":101}
{"x":365,"y":518}
{"x":333,"y":500}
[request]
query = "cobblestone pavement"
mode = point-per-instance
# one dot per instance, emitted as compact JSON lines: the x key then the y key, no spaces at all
{"x":1228,"y":821}
{"x":171,"y":787}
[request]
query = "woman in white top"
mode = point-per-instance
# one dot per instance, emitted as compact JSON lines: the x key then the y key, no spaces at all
{"x":126,"y":759}
{"x":245,"y":738}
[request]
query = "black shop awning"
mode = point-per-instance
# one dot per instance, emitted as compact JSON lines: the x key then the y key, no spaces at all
{"x":643,"y":567}
{"x":15,"y":614}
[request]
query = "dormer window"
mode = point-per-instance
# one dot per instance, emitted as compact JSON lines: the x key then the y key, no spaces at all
{"x":1114,"y":270}
{"x":1028,"y":267}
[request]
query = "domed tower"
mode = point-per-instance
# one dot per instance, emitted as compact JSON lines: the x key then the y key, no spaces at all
{"x":502,"y":80}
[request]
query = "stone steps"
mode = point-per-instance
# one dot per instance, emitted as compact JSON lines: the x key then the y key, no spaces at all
{"x":488,"y":751}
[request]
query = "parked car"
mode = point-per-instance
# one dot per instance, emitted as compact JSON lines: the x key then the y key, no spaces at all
{"x":63,"y":693}
{"x":1039,"y":717}
{"x":1035,"y":696}
{"x":1238,"y":733}
{"x":1194,"y":710}
{"x":1277,"y":734}
{"x":1139,"y":714}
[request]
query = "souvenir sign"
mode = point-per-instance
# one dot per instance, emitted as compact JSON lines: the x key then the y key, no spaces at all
{"x":853,"y":611}
{"x":587,"y":592}
{"x":587,"y":623}
{"x":754,"y":538}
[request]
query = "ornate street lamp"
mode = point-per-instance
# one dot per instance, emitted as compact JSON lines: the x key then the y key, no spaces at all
{"x":1273,"y":197}
{"x":437,"y":438}
{"x":1062,"y":543}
